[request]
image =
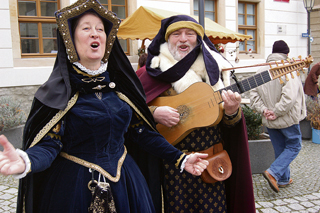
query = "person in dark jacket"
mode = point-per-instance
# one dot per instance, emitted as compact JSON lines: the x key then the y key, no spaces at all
{"x":311,"y":85}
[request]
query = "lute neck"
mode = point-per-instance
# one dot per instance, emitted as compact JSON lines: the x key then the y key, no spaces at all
{"x":249,"y":83}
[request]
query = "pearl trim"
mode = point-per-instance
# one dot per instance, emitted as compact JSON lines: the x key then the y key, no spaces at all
{"x":101,"y":69}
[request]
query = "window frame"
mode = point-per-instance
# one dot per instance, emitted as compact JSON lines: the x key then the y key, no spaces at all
{"x":39,"y":20}
{"x":109,"y":6}
{"x":249,"y":27}
{"x":215,"y":11}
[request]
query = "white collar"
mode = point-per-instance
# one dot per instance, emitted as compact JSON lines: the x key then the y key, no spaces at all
{"x":101,"y":69}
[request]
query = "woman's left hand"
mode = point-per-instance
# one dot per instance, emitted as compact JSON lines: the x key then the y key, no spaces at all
{"x":196,"y":164}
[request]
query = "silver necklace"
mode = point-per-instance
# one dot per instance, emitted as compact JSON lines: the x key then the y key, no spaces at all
{"x":101,"y":69}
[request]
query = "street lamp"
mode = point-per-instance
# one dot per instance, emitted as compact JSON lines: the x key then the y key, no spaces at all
{"x":308,"y":4}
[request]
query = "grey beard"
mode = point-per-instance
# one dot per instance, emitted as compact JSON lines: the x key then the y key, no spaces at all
{"x":175,"y":53}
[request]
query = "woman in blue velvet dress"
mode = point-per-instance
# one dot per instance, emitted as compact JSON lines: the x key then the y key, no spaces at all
{"x":91,"y":105}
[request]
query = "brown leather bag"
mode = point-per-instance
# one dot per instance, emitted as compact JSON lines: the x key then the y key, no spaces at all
{"x":220,"y":167}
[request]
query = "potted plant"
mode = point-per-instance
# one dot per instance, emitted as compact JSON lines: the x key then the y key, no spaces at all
{"x":12,"y":119}
{"x":313,"y":115}
{"x":260,"y":147}
{"x":253,"y":122}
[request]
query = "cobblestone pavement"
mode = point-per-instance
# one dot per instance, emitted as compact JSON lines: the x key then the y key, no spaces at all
{"x":302,"y":196}
{"x":8,"y":194}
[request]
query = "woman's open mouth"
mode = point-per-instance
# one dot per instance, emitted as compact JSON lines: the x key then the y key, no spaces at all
{"x":95,"y":45}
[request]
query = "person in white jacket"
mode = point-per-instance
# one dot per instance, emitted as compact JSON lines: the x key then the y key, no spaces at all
{"x":283,"y":107}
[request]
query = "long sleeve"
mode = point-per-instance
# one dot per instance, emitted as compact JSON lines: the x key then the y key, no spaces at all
{"x":256,"y":101}
{"x":310,"y":86}
{"x":153,"y":142}
{"x":43,"y":154}
{"x":289,"y":93}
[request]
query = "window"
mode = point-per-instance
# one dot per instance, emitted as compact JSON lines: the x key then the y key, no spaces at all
{"x":120,"y":8}
{"x":247,"y":24}
{"x":209,"y":9}
{"x":38,"y":29}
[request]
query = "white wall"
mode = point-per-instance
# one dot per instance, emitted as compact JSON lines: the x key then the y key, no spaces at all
{"x":6,"y":59}
{"x":293,"y":17}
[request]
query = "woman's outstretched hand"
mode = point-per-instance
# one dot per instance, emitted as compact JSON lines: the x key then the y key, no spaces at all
{"x":196,"y":164}
{"x":10,"y":161}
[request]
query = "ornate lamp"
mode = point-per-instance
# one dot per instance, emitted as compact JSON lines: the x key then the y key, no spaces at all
{"x":308,"y":4}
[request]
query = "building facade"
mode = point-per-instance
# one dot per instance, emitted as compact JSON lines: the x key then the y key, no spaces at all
{"x":315,"y":31}
{"x":27,"y":34}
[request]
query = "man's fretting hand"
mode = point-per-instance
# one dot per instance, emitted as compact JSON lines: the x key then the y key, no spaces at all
{"x":231,"y":101}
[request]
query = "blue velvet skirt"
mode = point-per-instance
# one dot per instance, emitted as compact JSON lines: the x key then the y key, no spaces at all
{"x":65,"y":189}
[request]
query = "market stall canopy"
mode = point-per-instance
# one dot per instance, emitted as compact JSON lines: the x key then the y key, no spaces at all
{"x":145,"y":23}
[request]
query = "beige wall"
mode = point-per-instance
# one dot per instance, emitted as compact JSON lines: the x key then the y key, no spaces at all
{"x":315,"y":31}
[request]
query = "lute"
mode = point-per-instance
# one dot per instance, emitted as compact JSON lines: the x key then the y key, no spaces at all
{"x":200,"y":106}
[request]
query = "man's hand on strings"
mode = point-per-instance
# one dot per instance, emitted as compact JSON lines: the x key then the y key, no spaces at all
{"x":166,"y":115}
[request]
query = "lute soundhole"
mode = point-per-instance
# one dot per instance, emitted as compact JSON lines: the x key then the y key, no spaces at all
{"x":184,"y":112}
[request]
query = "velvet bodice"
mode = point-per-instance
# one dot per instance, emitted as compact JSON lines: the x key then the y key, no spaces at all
{"x":95,"y":127}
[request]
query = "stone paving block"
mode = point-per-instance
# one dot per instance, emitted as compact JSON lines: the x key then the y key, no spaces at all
{"x":11,"y":191}
{"x":282,"y":209}
{"x":311,"y":197}
{"x":301,"y":198}
{"x":269,"y":210}
{"x":5,"y":203}
{"x":316,"y":202}
{"x":279,"y":202}
{"x":266,"y":204}
{"x":307,"y":204}
{"x":317,"y":207}
{"x":14,"y":199}
{"x":296,"y":206}
{"x":290,"y":200}
{"x":2,"y":187}
{"x":13,"y":205}
{"x":6,"y":197}
{"x":6,"y":208}
{"x":316,"y":194}
{"x":312,"y":210}
{"x":257,"y":206}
